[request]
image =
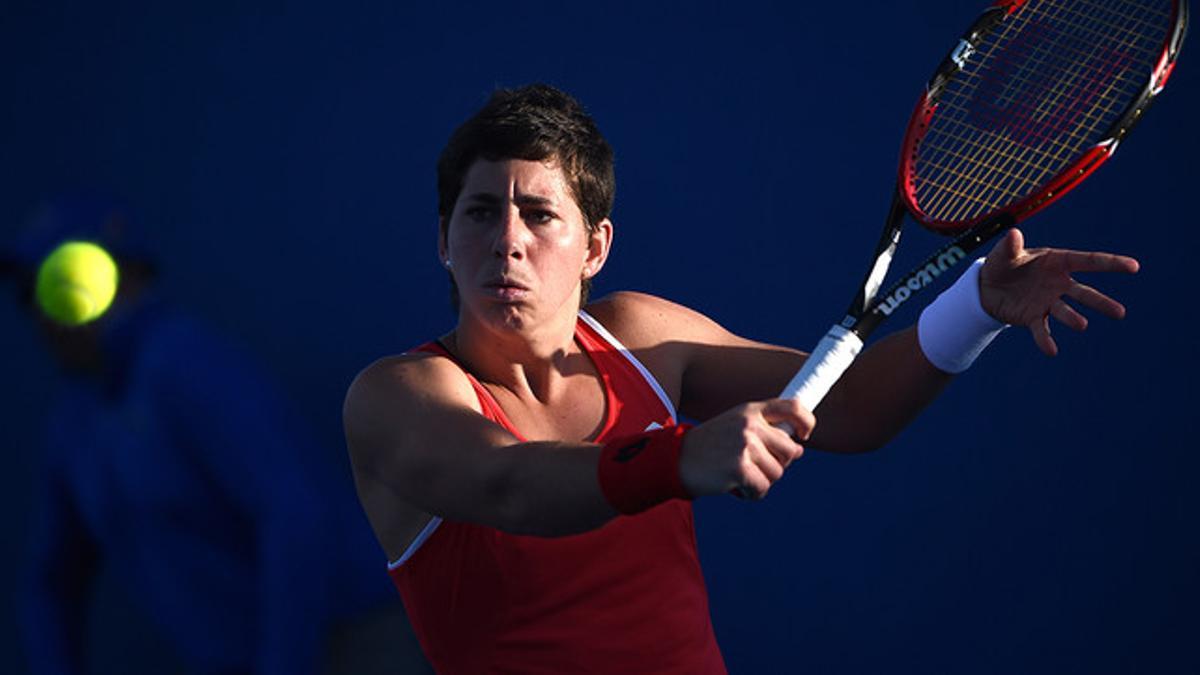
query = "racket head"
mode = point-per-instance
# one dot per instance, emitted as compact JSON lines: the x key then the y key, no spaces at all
{"x":1035,"y":96}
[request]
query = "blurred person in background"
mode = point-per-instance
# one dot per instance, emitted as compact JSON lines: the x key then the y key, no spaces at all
{"x":172,"y":461}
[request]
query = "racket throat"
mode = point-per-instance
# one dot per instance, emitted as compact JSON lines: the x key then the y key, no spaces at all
{"x":885,"y":250}
{"x":920,"y":278}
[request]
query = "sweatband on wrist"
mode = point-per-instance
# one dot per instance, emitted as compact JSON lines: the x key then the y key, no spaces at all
{"x":954,"y":329}
{"x":639,"y":471}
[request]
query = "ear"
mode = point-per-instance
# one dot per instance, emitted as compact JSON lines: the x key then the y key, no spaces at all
{"x":599,"y":244}
{"x":443,"y":248}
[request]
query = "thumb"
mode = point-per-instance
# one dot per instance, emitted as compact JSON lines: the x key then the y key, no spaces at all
{"x":790,"y":411}
{"x":1010,"y":245}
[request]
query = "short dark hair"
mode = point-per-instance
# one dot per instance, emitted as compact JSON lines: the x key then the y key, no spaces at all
{"x":537,"y":123}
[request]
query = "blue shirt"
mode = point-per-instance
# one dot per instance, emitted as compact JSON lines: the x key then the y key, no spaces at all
{"x":185,"y":471}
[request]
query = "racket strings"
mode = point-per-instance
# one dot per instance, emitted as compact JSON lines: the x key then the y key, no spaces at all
{"x":1027,"y":52}
{"x":1024,"y":131}
{"x":986,"y":143}
{"x":1041,"y":89}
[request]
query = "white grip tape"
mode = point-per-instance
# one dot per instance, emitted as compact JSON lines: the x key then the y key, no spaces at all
{"x":833,"y":355}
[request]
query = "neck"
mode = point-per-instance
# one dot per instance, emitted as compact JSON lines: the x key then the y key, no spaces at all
{"x":527,"y":363}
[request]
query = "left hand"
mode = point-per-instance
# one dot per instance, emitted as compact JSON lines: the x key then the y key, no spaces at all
{"x":1025,"y":287}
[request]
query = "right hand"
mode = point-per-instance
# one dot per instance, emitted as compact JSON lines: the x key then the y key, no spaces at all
{"x":741,"y":449}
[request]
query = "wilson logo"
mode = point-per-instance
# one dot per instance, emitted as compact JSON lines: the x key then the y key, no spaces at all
{"x":921,"y":278}
{"x":628,"y":452}
{"x":1016,"y":95}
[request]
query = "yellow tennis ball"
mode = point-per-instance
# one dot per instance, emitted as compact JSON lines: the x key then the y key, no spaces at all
{"x":76,"y":283}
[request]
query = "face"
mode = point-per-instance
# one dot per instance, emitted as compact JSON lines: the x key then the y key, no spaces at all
{"x":76,"y":349}
{"x":518,"y":244}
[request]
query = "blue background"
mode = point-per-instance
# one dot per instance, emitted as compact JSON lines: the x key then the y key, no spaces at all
{"x":1040,"y":517}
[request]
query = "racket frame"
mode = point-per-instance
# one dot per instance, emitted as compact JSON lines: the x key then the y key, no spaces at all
{"x":869,"y":308}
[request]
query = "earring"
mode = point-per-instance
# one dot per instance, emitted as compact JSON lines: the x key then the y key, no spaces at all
{"x":447,"y":264}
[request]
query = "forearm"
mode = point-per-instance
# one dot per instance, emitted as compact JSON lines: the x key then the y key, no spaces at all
{"x":895,"y":379}
{"x":535,"y":488}
{"x":551,"y":489}
{"x":889,"y":384}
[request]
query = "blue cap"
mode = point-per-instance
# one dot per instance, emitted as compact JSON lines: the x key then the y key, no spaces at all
{"x":101,"y":220}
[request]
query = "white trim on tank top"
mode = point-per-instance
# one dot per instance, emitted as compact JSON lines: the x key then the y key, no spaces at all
{"x":612,"y":340}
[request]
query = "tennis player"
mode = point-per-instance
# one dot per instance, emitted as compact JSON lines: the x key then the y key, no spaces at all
{"x":527,"y":472}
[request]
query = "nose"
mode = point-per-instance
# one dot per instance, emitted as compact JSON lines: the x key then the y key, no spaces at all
{"x":511,"y":235}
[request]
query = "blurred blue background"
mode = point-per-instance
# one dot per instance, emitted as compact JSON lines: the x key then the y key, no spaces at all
{"x":1040,"y":518}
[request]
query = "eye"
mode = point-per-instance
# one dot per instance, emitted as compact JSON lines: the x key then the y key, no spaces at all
{"x":537,"y":216}
{"x":480,"y":212}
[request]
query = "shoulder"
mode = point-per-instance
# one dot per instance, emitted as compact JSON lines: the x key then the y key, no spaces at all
{"x":668,"y":338}
{"x":183,"y":362}
{"x":640,"y":320}
{"x":394,"y":385}
{"x":398,"y":418}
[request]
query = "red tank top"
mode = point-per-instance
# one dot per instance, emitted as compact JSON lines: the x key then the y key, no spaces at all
{"x":628,"y":597}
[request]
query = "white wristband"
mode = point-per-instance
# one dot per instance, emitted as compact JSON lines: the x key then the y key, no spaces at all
{"x":954,"y":329}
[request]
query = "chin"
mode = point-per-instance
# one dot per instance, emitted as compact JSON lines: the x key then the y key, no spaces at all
{"x":501,"y":317}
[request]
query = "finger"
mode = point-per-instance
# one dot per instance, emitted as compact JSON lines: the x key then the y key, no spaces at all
{"x":780,"y":446}
{"x":1066,"y":315}
{"x":753,"y":484}
{"x":1009,"y":247}
{"x":1094,"y":299}
{"x":1015,"y":239}
{"x":1041,"y":336}
{"x":1012,"y":243}
{"x":1095,"y":261}
{"x":790,"y":411}
{"x":770,"y":464}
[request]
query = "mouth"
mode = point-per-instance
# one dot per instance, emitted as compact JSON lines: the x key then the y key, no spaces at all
{"x":506,"y":289}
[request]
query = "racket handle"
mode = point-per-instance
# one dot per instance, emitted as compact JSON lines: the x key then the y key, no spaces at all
{"x":833,"y":355}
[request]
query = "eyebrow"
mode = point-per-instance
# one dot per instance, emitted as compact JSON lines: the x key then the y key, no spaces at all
{"x":520,"y":200}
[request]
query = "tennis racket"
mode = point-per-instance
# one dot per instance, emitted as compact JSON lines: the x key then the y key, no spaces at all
{"x":1033,"y":98}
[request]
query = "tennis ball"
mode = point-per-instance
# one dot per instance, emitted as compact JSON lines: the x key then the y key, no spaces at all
{"x":76,"y":283}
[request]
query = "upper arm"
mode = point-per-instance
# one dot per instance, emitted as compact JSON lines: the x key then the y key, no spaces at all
{"x":420,"y":446}
{"x":417,"y":440}
{"x":705,"y":368}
